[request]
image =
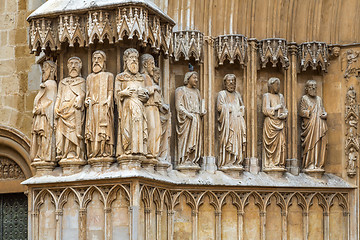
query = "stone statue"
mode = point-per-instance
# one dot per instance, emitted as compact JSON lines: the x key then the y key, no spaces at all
{"x":189,"y":110}
{"x":274,"y":127}
{"x":131,"y":94}
{"x":43,"y":118}
{"x":69,"y":113}
{"x":99,"y":126}
{"x":231,"y":124}
{"x":152,"y":106}
{"x":165,"y":119}
{"x":314,"y":129}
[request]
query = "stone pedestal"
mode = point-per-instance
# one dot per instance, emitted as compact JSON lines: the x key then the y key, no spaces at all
{"x":101,"y":163}
{"x":254,"y":165}
{"x":43,"y":167}
{"x":190,"y":170}
{"x":209,"y":164}
{"x":275,"y":172}
{"x":315,"y":173}
{"x":233,"y":171}
{"x":71,"y":165}
{"x":149,"y":163}
{"x":162,"y":167}
{"x":292,"y":166}
{"x":129,"y":162}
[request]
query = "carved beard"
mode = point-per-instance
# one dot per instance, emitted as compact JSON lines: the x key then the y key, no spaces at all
{"x":74,"y":72}
{"x":133,"y":67}
{"x":97,"y":67}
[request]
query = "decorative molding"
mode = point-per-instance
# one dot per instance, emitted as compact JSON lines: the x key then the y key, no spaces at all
{"x":10,"y":170}
{"x":113,"y":25}
{"x":273,"y":50}
{"x":352,"y":136}
{"x":188,"y":44}
{"x":350,"y":63}
{"x":231,"y":47}
{"x":314,"y":54}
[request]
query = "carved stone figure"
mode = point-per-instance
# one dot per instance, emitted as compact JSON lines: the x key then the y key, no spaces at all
{"x":99,"y":126}
{"x":274,"y":127}
{"x":152,"y":106}
{"x":231,"y":124}
{"x":165,"y":119}
{"x":69,"y":113}
{"x":189,"y":110}
{"x":314,"y":129}
{"x":43,"y":118}
{"x":131,"y":95}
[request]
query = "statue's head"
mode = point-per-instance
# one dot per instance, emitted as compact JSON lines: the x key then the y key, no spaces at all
{"x":336,"y":51}
{"x":156,"y":75}
{"x":48,"y":71}
{"x":99,"y":61}
{"x":310,"y":88}
{"x":147,"y":64}
{"x":230,"y":82}
{"x":74,"y":65}
{"x":274,"y":85}
{"x":131,"y":60}
{"x":191,"y":79}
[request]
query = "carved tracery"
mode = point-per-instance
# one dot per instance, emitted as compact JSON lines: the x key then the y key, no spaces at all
{"x":231,"y":47}
{"x":188,"y":44}
{"x":315,"y":55}
{"x":273,"y":50}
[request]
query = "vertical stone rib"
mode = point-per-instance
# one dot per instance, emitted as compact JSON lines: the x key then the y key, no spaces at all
{"x":306,"y":224}
{"x":240,"y":224}
{"x":82,"y":223}
{"x":263,"y":225}
{"x":108,"y":233}
{"x":217,"y":225}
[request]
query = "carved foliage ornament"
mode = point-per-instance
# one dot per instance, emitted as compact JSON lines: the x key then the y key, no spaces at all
{"x":188,"y":44}
{"x":99,"y":25}
{"x":314,"y":54}
{"x":352,"y":136}
{"x":273,"y":50}
{"x":231,"y":47}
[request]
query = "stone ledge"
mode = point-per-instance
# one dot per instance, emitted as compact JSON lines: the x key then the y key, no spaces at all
{"x":246,"y":179}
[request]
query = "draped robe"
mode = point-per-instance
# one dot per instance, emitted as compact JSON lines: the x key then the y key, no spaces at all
{"x":132,"y":131}
{"x":273,"y":131}
{"x":188,"y":130}
{"x":232,"y":128}
{"x":69,"y":124}
{"x":314,"y":132}
{"x":43,"y":122}
{"x":99,"y":116}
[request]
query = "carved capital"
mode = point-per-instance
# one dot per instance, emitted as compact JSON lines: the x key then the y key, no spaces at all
{"x":231,"y":47}
{"x":273,"y":50}
{"x":314,"y":55}
{"x":188,"y":44}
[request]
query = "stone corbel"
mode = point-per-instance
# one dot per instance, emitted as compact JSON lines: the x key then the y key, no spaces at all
{"x":188,"y":44}
{"x":315,"y":55}
{"x":273,"y":50}
{"x":231,"y":47}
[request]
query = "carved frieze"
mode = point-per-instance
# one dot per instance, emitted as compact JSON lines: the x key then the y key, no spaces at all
{"x":352,"y":136}
{"x":273,"y":50}
{"x":315,"y":55}
{"x":113,"y":25}
{"x":188,"y":44}
{"x":42,"y":34}
{"x":350,"y":63}
{"x":231,"y":47}
{"x":10,"y":169}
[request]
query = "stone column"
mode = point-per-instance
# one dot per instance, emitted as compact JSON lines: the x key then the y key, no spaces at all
{"x":240,"y":224}
{"x":217,"y":225}
{"x":251,"y":111}
{"x":58,"y":215}
{"x":292,"y":162}
{"x":207,"y":91}
{"x":82,"y":224}
{"x":135,"y":210}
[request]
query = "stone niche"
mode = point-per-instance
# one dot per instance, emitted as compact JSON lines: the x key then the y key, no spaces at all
{"x":124,"y":189}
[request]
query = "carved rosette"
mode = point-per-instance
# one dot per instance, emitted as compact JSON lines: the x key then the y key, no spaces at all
{"x":314,"y":54}
{"x":273,"y":50}
{"x":113,"y":25}
{"x":352,"y":136}
{"x":188,"y":44}
{"x":231,"y":47}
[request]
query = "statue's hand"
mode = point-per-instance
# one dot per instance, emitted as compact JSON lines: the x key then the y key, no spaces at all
{"x":127,"y":92}
{"x":87,"y":102}
{"x":165,"y":108}
{"x":36,"y":111}
{"x":283,"y":116}
{"x":77,"y":103}
{"x":203,"y":113}
{"x":190,"y":115}
{"x":56,"y":113}
{"x":323,"y":115}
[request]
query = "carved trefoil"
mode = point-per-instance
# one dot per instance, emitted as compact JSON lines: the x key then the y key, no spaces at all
{"x":273,"y":50}
{"x":231,"y":47}
{"x":188,"y":44}
{"x":314,"y":54}
{"x":352,"y":136}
